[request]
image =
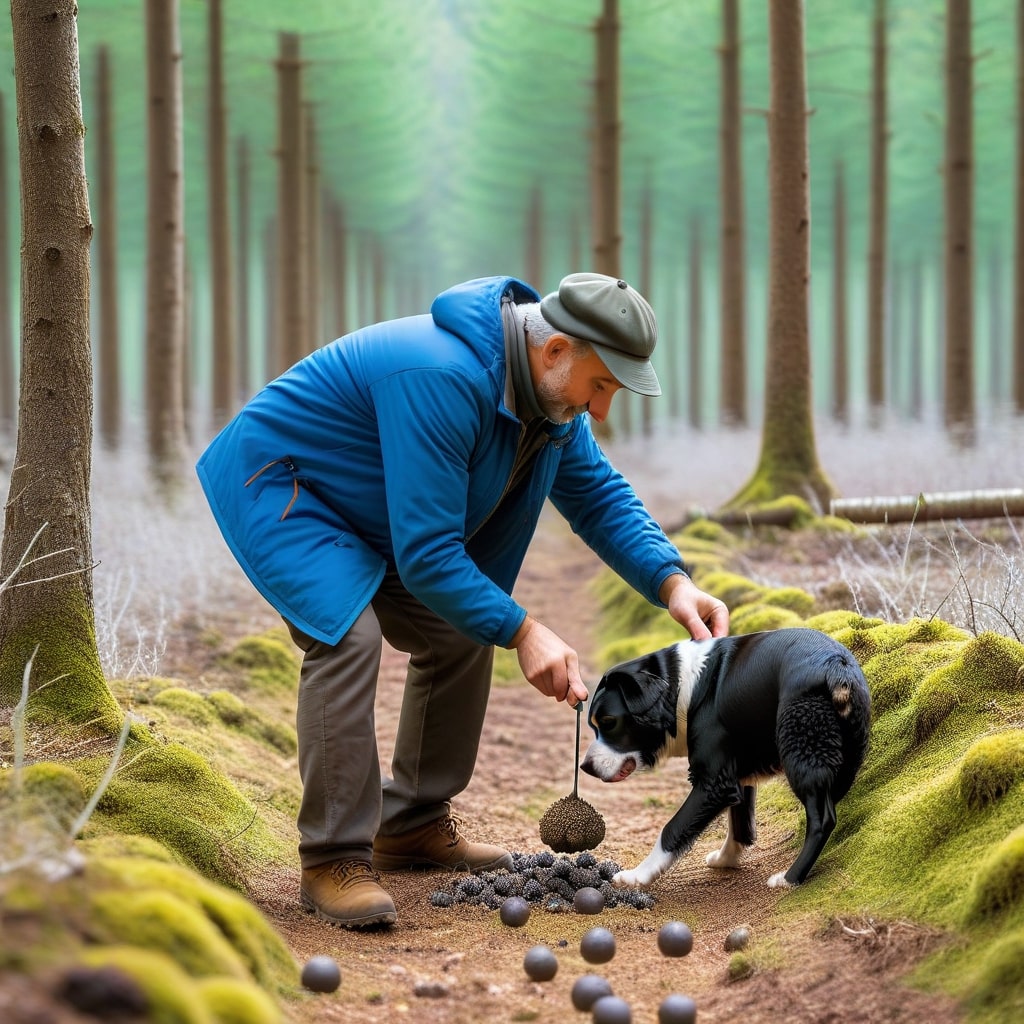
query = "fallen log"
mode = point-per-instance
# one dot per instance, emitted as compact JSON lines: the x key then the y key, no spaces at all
{"x":923,"y":507}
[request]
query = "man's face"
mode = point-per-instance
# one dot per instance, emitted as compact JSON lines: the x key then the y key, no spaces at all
{"x":573,"y":385}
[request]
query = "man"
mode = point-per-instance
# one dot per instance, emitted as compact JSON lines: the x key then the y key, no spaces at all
{"x":388,"y":485}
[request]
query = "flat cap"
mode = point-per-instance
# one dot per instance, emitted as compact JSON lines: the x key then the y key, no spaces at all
{"x":615,"y":318}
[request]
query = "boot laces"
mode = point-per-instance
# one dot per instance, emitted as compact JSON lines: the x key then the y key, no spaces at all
{"x":449,"y":827}
{"x":346,"y":872}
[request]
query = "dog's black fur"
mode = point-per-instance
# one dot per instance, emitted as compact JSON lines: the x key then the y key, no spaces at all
{"x":740,"y":708}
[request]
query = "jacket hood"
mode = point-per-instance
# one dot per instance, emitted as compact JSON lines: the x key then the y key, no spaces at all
{"x":472,"y":310}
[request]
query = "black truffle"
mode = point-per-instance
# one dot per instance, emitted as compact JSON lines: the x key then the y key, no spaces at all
{"x":570,"y":825}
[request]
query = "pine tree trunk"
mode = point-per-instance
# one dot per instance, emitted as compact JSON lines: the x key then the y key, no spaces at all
{"x":8,"y":384}
{"x":732,"y":271}
{"x":165,"y":248}
{"x":695,"y":389}
{"x":788,"y":462}
{"x":46,"y":609}
{"x":108,"y":320}
{"x":878,"y":218}
{"x":244,"y":261}
{"x":645,"y":283}
{"x":1018,"y":258}
{"x":292,"y":290}
{"x":959,"y":253}
{"x":840,"y":355}
{"x":225,"y":369}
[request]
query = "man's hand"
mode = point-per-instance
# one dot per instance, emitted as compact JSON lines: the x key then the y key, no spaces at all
{"x":700,"y":614}
{"x":548,"y":662}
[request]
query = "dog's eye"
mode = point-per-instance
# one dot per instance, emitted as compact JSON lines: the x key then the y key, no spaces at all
{"x":607,"y":723}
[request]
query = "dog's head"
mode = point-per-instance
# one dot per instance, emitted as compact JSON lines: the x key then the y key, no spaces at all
{"x":634,"y":717}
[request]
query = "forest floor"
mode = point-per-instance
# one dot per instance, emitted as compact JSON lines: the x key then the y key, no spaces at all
{"x":462,"y":965}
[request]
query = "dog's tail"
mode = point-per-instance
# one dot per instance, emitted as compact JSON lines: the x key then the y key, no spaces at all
{"x":840,"y":678}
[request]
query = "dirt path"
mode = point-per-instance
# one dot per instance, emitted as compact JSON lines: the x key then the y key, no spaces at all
{"x":462,"y":965}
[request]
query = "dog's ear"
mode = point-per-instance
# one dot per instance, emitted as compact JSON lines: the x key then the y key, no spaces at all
{"x":645,"y":697}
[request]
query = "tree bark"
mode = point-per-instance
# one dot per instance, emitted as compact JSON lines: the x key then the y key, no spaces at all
{"x":840,"y":355}
{"x":645,"y":283}
{"x":877,"y":242}
{"x":244,"y":261}
{"x":788,"y":462}
{"x":292,"y":290}
{"x":222,"y":308}
{"x":984,"y":504}
{"x":8,"y":383}
{"x":108,"y":320}
{"x":959,"y":202}
{"x":732,"y":272}
{"x":695,"y":389}
{"x":165,"y":248}
{"x":46,"y":608}
{"x":1018,"y":259}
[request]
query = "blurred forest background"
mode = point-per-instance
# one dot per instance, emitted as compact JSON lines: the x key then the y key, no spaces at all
{"x":449,"y":139}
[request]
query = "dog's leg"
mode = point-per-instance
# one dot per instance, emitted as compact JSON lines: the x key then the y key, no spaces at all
{"x":821,"y":820}
{"x":700,"y":808}
{"x":740,"y":833}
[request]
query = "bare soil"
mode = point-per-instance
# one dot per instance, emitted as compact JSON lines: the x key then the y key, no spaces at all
{"x":462,"y":965}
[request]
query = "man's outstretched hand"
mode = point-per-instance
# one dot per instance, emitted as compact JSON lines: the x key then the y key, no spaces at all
{"x":700,"y":614}
{"x":548,"y":662}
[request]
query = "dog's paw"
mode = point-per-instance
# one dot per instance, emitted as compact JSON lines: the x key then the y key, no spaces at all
{"x":627,"y":880}
{"x":722,"y":859}
{"x":778,"y":881}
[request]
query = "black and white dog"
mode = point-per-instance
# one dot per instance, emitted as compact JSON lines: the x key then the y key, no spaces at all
{"x":741,"y":708}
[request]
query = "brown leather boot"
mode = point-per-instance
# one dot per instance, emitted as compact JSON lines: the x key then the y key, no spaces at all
{"x":346,"y":893}
{"x":437,"y":844}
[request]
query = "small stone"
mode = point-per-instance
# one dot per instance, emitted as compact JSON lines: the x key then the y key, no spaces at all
{"x":588,"y":900}
{"x":430,"y":990}
{"x":677,"y":1009}
{"x":515,"y":912}
{"x":540,"y":963}
{"x":597,"y":946}
{"x":675,"y":938}
{"x":587,"y":989}
{"x":611,"y":1010}
{"x":737,"y":939}
{"x":321,"y":974}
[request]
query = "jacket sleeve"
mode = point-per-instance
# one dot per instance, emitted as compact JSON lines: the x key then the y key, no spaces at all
{"x":604,"y":510}
{"x":429,"y":426}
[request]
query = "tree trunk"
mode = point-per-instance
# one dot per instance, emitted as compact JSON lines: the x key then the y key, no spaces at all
{"x":339,"y":234}
{"x":732,"y":256}
{"x":645,"y":281}
{"x":919,"y":508}
{"x":222,"y":308}
{"x":534,"y":241}
{"x":46,"y":608}
{"x":244,"y":260}
{"x":959,"y":253}
{"x":8,"y":384}
{"x":314,"y":230}
{"x":292,"y":291}
{"x":108,"y":361}
{"x":915,"y":343}
{"x":1018,"y":258}
{"x":788,"y":462}
{"x":877,"y":232}
{"x":608,"y":244}
{"x":695,"y":388}
{"x":165,"y":247}
{"x":840,"y":355}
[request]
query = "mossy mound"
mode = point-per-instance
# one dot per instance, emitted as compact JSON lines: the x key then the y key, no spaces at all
{"x":169,"y":793}
{"x":756,"y":618}
{"x":270,"y":662}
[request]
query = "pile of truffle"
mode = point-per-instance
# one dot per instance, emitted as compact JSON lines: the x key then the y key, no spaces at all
{"x":545,"y":880}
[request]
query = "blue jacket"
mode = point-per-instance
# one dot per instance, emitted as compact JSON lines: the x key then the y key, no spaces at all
{"x":391,"y":448}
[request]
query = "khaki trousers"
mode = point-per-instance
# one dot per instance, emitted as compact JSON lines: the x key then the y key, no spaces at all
{"x":346,"y":800}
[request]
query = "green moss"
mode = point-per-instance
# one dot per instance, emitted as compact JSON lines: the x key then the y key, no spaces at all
{"x":991,"y":767}
{"x":172,"y":795}
{"x":733,"y":589}
{"x":833,"y":622}
{"x":250,"y":721}
{"x":708,"y":531}
{"x":172,"y":994}
{"x":234,"y":1002}
{"x":162,"y":922}
{"x":630,"y":647}
{"x":998,"y":887}
{"x":46,"y":786}
{"x":792,"y":598}
{"x":995,"y":987}
{"x":253,"y":944}
{"x":229,"y":708}
{"x":270,"y":662}
{"x":193,"y":707}
{"x":754,"y":618}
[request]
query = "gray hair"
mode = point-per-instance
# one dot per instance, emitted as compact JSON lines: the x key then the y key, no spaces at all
{"x":538,"y":330}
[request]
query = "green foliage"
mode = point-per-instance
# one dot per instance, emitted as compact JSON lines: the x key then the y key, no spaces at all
{"x":270,"y":663}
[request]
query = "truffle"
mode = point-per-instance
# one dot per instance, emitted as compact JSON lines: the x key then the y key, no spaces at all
{"x":570,"y":825}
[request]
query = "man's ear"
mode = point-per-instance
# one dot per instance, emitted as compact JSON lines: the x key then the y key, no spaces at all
{"x":553,"y":349}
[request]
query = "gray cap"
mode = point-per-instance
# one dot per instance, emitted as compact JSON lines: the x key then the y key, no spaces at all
{"x":615,"y":318}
